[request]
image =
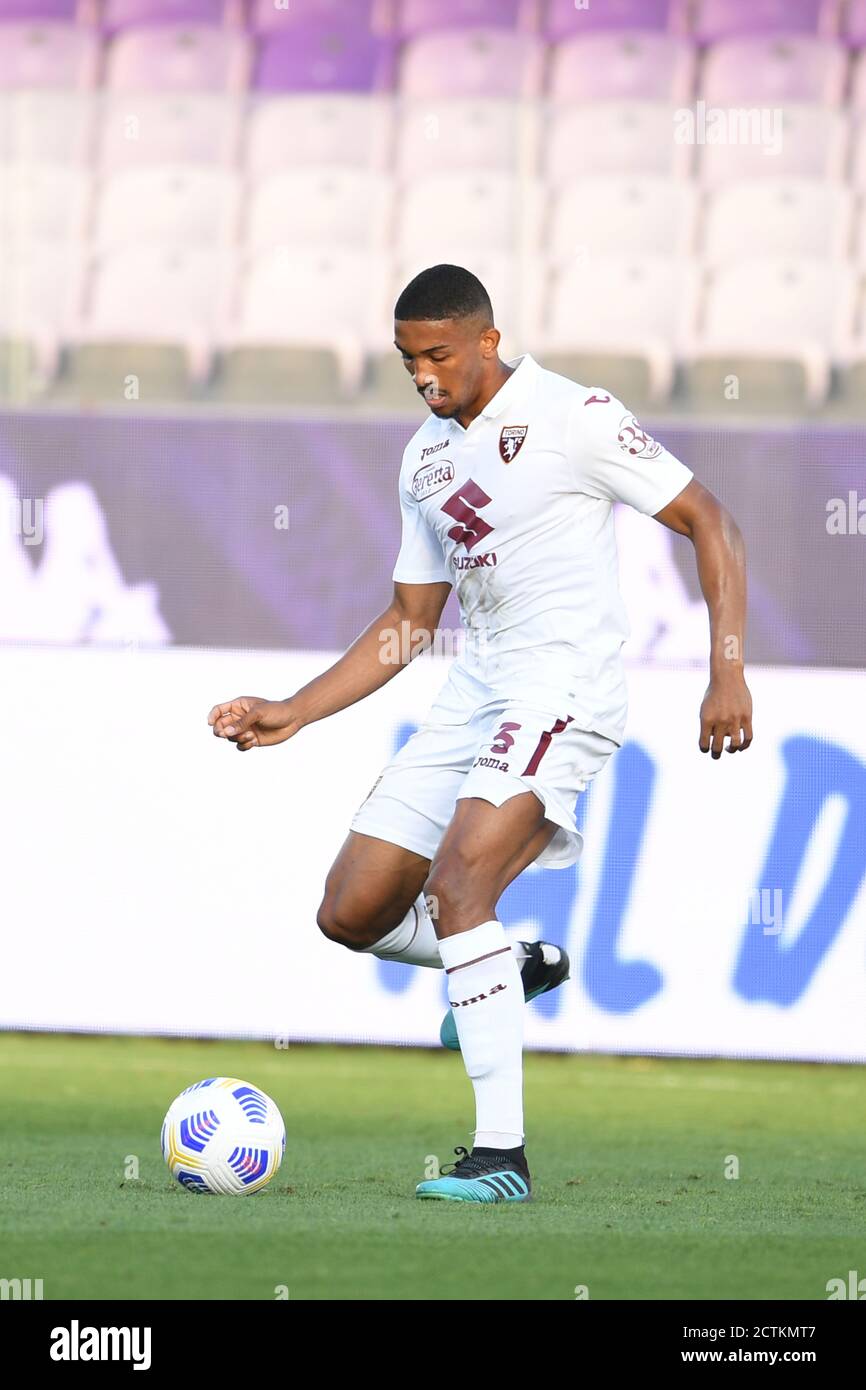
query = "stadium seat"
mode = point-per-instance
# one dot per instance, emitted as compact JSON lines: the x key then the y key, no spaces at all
{"x":619,"y":320}
{"x":324,"y":59}
{"x":792,"y":67}
{"x":471,"y":63}
{"x":304,"y":319}
{"x":622,"y":67}
{"x":152,"y":313}
{"x":177,"y":58}
{"x":50,"y":54}
{"x":46,"y":203}
{"x":39,"y":9}
{"x":778,"y":217}
{"x":622,"y":215}
{"x":178,"y":127}
{"x":129,"y":14}
{"x":485,"y":134}
{"x":292,"y":131}
{"x":419,"y":16}
{"x":46,"y":127}
{"x":323,"y":207}
{"x":773,"y":326}
{"x":169,"y":205}
{"x":563,"y":19}
{"x":609,"y":137}
{"x":723,"y":19}
{"x":495,"y":211}
{"x":810,"y":142}
{"x":362,"y":17}
{"x":40,"y":300}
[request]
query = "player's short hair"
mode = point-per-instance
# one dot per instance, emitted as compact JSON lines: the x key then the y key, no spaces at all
{"x":444,"y":292}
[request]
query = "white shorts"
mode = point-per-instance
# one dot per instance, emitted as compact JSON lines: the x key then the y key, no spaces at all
{"x":501,"y":749}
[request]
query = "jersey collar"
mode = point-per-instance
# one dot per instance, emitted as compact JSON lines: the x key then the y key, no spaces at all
{"x":524,"y":368}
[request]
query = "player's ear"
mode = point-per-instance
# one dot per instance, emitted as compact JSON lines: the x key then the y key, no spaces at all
{"x":490,"y":342}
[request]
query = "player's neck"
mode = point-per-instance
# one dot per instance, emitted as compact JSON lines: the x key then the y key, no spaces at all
{"x":485,"y":395}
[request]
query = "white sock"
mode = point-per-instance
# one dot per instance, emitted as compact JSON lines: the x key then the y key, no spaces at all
{"x":414,"y":941}
{"x":486,"y":995}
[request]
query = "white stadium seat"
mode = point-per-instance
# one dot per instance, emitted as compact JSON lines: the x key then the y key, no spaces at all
{"x":478,"y":133}
{"x":496,"y":211}
{"x":152,"y":294}
{"x":611,"y":137}
{"x":169,"y":205}
{"x":43,"y":203}
{"x":284,"y":132}
{"x":778,"y":217}
{"x":615,"y":214}
{"x":147,"y":128}
{"x":812,"y":143}
{"x":635,"y":306}
{"x":321,"y":207}
{"x":46,"y":127}
{"x":795,"y":309}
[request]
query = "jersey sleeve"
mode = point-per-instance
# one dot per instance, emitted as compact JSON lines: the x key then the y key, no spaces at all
{"x":421,"y":560}
{"x":612,"y":456}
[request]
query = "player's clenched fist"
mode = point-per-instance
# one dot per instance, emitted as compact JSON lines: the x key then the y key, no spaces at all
{"x":253,"y":723}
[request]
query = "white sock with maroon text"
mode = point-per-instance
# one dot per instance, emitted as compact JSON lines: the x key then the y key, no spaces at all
{"x":486,"y":995}
{"x":414,"y":941}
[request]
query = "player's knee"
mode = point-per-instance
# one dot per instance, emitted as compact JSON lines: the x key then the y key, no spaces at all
{"x":342,"y":927}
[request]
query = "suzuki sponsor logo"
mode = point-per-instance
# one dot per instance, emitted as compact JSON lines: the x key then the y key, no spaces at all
{"x":474,"y":562}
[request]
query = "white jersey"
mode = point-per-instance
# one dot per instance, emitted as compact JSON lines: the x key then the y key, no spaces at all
{"x":516,"y":513}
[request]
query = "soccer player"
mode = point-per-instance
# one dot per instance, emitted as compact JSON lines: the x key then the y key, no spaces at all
{"x":506,"y":493}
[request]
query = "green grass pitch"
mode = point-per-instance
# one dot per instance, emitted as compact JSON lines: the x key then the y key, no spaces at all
{"x":628,"y":1157}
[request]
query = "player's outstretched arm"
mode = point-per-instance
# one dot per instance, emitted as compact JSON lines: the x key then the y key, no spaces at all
{"x":726,"y":711}
{"x":389,"y":643}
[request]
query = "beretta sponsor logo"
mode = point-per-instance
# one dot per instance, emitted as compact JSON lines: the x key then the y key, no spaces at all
{"x":431,"y":477}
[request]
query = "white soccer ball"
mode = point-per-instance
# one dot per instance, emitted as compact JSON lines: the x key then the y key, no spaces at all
{"x":223,"y":1135}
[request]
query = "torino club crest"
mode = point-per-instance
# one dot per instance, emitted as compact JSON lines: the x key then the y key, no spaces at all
{"x":633,"y":440}
{"x":511,"y":440}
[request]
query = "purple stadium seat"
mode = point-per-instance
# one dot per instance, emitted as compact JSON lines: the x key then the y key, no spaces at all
{"x":38,"y":9}
{"x":622,"y":67}
{"x":324,"y":59}
{"x":364,"y":16}
{"x":419,"y":16}
{"x":47,"y":55}
{"x":723,"y":19}
{"x":855,"y":22}
{"x":178,"y":58}
{"x":563,"y":20}
{"x":791,"y":67}
{"x":126,"y":14}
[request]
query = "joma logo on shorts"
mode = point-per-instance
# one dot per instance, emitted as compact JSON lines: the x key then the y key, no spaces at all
{"x":476,"y":998}
{"x":491,"y":762}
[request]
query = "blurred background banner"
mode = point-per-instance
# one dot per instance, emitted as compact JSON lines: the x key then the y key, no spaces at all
{"x":157,"y":882}
{"x":283,"y":534}
{"x":207,"y":211}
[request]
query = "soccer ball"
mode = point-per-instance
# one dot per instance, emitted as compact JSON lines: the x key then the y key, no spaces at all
{"x":223,"y":1135}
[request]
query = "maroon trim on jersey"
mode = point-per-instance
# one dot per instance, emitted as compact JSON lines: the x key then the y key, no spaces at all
{"x":544,"y":744}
